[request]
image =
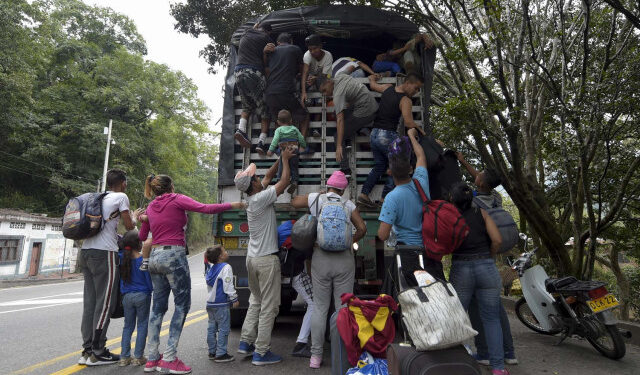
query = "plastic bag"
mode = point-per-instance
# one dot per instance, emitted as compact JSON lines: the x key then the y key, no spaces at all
{"x":368,"y":365}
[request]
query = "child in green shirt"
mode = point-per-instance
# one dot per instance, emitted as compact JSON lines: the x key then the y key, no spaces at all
{"x":287,"y":135}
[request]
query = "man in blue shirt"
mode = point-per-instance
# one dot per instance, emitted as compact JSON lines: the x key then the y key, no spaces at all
{"x":402,"y":207}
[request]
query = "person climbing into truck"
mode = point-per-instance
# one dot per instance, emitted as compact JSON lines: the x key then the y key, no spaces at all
{"x":263,"y":264}
{"x":284,"y":64}
{"x":287,"y":136}
{"x":350,"y":66}
{"x":317,"y":62}
{"x":250,"y":80}
{"x":332,"y":271}
{"x":404,"y":58}
{"x":355,"y":108}
{"x":395,"y":101}
{"x":486,"y":181}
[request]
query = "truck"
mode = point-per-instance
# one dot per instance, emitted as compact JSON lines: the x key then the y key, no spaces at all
{"x":360,"y":32}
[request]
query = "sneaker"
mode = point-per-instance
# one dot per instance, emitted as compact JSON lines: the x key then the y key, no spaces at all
{"x":316,"y":133}
{"x":346,"y":171}
{"x":174,"y":367}
{"x":224,"y":358}
{"x":366,"y":202}
{"x":151,"y":366}
{"x":268,"y":359}
{"x":292,"y":188}
{"x":144,"y":267}
{"x":246,"y":348}
{"x":138,"y":361}
{"x":212,"y":356}
{"x":500,"y":372}
{"x":84,"y":357}
{"x":301,"y":350}
{"x":106,"y":358}
{"x":261,"y":148}
{"x":124,"y":362}
{"x":481,"y":360}
{"x":242,"y":138}
{"x":315,"y":361}
{"x":511,"y":361}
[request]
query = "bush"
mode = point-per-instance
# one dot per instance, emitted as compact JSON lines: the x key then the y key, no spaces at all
{"x":633,"y":275}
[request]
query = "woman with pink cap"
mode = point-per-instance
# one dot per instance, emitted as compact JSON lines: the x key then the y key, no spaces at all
{"x":331,"y":271}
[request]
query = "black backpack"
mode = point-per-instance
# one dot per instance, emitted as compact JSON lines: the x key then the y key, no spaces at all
{"x":83,"y":216}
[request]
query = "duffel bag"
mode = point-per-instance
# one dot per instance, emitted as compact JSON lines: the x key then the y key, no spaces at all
{"x":406,"y":360}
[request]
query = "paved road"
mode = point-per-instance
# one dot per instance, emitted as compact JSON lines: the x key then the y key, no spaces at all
{"x":40,"y":334}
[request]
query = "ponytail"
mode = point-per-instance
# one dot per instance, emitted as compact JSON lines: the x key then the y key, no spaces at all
{"x":157,"y":185}
{"x":129,"y":243}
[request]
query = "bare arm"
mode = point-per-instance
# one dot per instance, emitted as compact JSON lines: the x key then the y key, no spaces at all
{"x":384,"y":231}
{"x":126,"y":220}
{"x":494,"y":233}
{"x":303,"y":82}
{"x":271,"y":173}
{"x":375,"y":86}
{"x":300,"y":201}
{"x":358,"y":222}
{"x":366,"y":67}
{"x":339,"y":136}
{"x":472,"y":171}
{"x":406,"y":107}
{"x":268,"y":49}
{"x":285,"y":178}
{"x":421,"y":159}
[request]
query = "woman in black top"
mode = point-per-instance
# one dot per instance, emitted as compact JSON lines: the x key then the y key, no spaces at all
{"x":474,"y":272}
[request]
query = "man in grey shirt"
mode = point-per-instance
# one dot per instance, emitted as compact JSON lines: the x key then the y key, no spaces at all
{"x":263,"y":264}
{"x":355,"y":108}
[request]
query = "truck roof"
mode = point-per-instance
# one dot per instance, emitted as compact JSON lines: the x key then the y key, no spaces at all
{"x":336,"y":21}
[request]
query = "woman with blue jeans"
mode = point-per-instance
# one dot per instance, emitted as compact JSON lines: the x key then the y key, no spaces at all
{"x":168,"y":265}
{"x":395,"y":102}
{"x":474,"y":273}
{"x":136,"y":289}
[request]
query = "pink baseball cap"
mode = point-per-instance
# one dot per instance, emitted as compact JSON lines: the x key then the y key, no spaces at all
{"x":243,"y":178}
{"x":338,"y":180}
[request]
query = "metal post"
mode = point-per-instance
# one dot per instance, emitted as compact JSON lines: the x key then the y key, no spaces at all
{"x":64,"y":254}
{"x":106,"y":158}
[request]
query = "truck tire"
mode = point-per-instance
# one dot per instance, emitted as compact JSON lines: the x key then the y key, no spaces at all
{"x":237,"y":317}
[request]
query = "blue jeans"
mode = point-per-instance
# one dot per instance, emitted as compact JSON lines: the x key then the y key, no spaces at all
{"x":220,"y":323}
{"x":136,"y":307}
{"x":480,"y":279}
{"x":169,"y":270}
{"x":293,"y":167}
{"x":480,"y":339}
{"x":386,"y":66}
{"x":380,"y":141}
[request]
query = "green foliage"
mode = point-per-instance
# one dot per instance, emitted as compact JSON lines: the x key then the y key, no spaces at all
{"x":633,"y":275}
{"x":66,"y":68}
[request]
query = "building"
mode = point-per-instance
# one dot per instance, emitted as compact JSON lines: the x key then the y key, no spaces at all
{"x":32,"y":244}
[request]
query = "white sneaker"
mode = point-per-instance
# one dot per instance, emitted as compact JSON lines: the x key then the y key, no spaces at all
{"x":84,"y":357}
{"x":511,"y":361}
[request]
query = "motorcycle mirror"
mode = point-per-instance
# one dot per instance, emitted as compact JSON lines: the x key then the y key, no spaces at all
{"x":524,"y":236}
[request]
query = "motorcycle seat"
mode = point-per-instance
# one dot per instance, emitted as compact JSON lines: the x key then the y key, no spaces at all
{"x":554,"y":285}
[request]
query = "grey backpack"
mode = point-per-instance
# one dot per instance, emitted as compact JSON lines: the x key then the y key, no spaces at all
{"x":503,"y":219}
{"x":305,"y":230}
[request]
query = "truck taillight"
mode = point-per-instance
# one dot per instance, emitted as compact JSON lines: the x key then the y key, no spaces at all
{"x":597,"y":293}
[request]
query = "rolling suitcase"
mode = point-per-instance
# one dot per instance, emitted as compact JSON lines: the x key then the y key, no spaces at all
{"x":405,"y":360}
{"x":339,"y":360}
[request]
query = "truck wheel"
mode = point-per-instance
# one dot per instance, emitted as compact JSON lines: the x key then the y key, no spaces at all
{"x":237,"y":317}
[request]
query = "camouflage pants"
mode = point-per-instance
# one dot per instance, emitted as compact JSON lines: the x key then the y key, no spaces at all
{"x":251,"y":84}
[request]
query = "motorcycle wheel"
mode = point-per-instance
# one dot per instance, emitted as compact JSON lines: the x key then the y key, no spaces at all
{"x":524,"y":313}
{"x":610,"y":343}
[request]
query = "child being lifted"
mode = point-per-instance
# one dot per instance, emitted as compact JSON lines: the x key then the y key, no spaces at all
{"x":287,"y":135}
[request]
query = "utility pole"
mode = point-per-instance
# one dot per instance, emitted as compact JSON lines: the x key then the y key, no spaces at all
{"x":106,"y":158}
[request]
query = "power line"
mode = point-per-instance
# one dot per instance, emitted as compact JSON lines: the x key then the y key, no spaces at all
{"x":48,"y":167}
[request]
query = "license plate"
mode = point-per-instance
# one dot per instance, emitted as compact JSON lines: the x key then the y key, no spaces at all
{"x":230,"y":242}
{"x":603,"y":303}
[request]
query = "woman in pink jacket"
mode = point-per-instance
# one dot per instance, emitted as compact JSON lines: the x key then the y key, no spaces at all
{"x":168,"y":265}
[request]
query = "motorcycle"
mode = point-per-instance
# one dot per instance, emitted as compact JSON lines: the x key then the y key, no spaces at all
{"x":568,"y":306}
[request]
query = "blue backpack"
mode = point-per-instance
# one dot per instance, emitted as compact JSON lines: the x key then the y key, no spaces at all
{"x":334,"y":226}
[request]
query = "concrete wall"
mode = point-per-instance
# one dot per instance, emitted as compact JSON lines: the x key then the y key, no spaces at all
{"x":54,"y":248}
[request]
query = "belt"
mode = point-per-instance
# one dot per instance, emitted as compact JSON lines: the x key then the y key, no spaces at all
{"x":465,"y":257}
{"x":165,"y":247}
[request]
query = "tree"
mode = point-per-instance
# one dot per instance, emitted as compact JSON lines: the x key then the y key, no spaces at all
{"x":66,"y":70}
{"x":544,"y":92}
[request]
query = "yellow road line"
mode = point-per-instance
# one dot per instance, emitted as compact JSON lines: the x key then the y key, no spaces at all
{"x":77,"y":353}
{"x":75,"y":368}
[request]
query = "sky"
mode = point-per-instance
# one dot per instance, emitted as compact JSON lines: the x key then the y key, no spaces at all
{"x":168,"y":46}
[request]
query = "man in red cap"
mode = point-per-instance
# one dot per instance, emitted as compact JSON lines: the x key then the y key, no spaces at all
{"x":334,"y":270}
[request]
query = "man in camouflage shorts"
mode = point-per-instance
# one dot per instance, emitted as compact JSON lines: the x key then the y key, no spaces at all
{"x":250,"y":80}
